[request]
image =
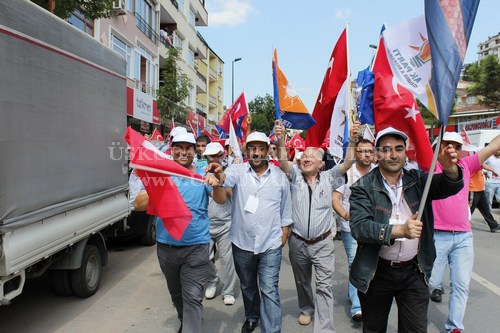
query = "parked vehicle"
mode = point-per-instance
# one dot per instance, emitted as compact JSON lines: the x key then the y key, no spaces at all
{"x":63,"y":175}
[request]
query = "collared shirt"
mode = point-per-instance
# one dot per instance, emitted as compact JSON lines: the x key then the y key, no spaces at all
{"x":352,"y":176}
{"x":403,"y":249}
{"x":260,"y":231}
{"x":312,"y":209}
{"x":493,"y":162}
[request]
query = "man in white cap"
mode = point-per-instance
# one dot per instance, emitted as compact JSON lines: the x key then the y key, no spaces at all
{"x":311,"y":240}
{"x":261,"y":217}
{"x":395,"y":250}
{"x":185,"y":262}
{"x":220,"y":223}
{"x":453,"y":234}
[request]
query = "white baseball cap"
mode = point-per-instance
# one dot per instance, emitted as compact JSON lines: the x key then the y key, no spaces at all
{"x":184,"y":137}
{"x":213,"y":148}
{"x":177,"y":130}
{"x":453,"y":137}
{"x":258,"y":136}
{"x":389,"y":131}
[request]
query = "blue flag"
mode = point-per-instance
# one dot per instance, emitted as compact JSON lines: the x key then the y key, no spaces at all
{"x":449,"y":30}
{"x":364,"y":96}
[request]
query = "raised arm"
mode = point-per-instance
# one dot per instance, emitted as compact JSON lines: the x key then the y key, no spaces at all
{"x":279,"y":132}
{"x":351,"y":151}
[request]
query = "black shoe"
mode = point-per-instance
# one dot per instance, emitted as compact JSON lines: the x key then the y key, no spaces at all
{"x":495,"y":229}
{"x":357,"y":317}
{"x":180,"y":329}
{"x":248,"y":326}
{"x":437,"y":295}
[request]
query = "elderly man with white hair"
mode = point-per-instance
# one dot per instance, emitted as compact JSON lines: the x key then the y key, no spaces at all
{"x":311,"y":241}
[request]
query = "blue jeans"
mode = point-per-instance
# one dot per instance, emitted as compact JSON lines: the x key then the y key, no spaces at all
{"x":492,"y":189}
{"x":350,"y":246}
{"x":259,"y":277}
{"x":455,"y":249}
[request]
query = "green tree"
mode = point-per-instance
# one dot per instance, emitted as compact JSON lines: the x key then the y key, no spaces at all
{"x":263,"y":113}
{"x":486,"y":81}
{"x":174,"y":89}
{"x":93,"y":9}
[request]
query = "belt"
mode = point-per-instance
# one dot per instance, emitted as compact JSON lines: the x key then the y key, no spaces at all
{"x":314,"y":240}
{"x":450,"y":231}
{"x":397,"y":264}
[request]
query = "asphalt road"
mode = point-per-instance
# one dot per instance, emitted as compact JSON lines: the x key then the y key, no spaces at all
{"x":133,"y":298}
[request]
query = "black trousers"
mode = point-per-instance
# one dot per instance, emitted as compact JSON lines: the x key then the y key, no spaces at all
{"x":407,"y":286}
{"x":480,"y":201}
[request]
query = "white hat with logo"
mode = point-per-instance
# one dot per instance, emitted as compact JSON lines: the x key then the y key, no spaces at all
{"x":213,"y":148}
{"x":258,"y":136}
{"x":389,"y":131}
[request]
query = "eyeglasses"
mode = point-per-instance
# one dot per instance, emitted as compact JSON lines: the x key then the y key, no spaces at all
{"x":366,"y":152}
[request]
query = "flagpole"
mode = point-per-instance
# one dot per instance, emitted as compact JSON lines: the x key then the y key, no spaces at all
{"x":430,"y":175}
{"x":349,"y":92}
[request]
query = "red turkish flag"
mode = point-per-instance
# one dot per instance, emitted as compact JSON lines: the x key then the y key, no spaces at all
{"x":297,"y":142}
{"x":157,"y":135}
{"x":335,"y":76}
{"x":155,"y":169}
{"x":395,"y":106}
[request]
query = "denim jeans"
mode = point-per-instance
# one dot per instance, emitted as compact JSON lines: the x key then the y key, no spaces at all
{"x":455,"y":249}
{"x":350,"y":246}
{"x":492,"y":189}
{"x":259,"y":277}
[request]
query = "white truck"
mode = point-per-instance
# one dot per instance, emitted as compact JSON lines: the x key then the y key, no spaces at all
{"x":481,"y":138}
{"x":63,"y":174}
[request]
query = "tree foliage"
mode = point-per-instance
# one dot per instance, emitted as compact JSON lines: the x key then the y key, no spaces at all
{"x":263,"y":113}
{"x":93,"y":9}
{"x":485,"y":76}
{"x":175,"y":87}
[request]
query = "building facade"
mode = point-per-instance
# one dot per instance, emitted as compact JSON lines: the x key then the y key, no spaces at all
{"x":488,"y":47}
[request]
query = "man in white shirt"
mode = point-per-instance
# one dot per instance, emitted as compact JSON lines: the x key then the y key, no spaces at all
{"x":492,"y":185}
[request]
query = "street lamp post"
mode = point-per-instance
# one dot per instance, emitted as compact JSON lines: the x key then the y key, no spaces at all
{"x":232,"y":78}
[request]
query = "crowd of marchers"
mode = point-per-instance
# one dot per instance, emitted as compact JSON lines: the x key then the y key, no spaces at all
{"x":247,"y":211}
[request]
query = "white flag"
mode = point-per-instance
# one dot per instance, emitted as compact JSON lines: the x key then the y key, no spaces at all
{"x":339,"y":121}
{"x":235,"y":147}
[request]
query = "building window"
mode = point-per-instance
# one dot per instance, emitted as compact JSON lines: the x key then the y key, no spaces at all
{"x":219,"y":94}
{"x":191,"y":18}
{"x":181,"y":5}
{"x":146,"y":18}
{"x":130,"y":5}
{"x":190,"y":58}
{"x":121,"y":47}
{"x":144,"y":72}
{"x":219,"y":68}
{"x":79,"y":20}
{"x":178,"y":41}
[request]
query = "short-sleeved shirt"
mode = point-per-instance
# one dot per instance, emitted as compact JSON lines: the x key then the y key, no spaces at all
{"x":493,"y":162}
{"x":195,"y":195}
{"x":312,"y":209}
{"x":476,"y":183}
{"x":452,"y":213}
{"x":260,"y":231}
{"x":352,"y":176}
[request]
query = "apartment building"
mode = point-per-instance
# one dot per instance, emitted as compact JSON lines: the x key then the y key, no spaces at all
{"x":488,"y":47}
{"x":143,"y":31}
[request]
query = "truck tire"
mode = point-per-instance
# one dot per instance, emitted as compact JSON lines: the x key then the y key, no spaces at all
{"x":61,"y":283}
{"x":149,"y":237}
{"x":85,"y":280}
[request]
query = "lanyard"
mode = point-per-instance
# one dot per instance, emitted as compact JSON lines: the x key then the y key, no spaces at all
{"x":395,"y":196}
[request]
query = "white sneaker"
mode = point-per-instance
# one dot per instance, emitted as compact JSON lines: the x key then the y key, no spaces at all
{"x":210,"y":291}
{"x":229,"y":300}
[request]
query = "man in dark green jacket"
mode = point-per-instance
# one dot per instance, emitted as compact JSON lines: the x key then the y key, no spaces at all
{"x":395,"y":250}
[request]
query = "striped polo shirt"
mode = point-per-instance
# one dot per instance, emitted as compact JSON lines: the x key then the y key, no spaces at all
{"x":312,"y":211}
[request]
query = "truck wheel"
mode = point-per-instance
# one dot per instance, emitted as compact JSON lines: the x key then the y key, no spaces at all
{"x":149,"y":237}
{"x":61,"y":283}
{"x":85,"y":280}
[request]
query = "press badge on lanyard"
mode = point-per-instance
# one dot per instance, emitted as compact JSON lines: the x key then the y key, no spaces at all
{"x":253,"y":201}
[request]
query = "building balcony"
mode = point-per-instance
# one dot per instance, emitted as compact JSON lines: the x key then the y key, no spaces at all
{"x":200,"y":13}
{"x":143,"y":86}
{"x":212,"y":101}
{"x":212,"y":75}
{"x":146,"y":29}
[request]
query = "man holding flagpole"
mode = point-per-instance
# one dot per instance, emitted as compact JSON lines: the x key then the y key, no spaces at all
{"x":395,"y":250}
{"x":311,"y":241}
{"x":185,"y":261}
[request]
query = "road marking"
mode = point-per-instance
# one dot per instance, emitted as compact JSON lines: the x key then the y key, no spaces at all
{"x":490,"y":285}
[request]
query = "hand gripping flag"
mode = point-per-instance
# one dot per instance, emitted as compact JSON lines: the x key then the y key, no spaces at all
{"x":237,"y":115}
{"x":449,"y":25}
{"x":395,"y":106}
{"x":154,"y":168}
{"x":335,"y":76}
{"x":289,"y":107}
